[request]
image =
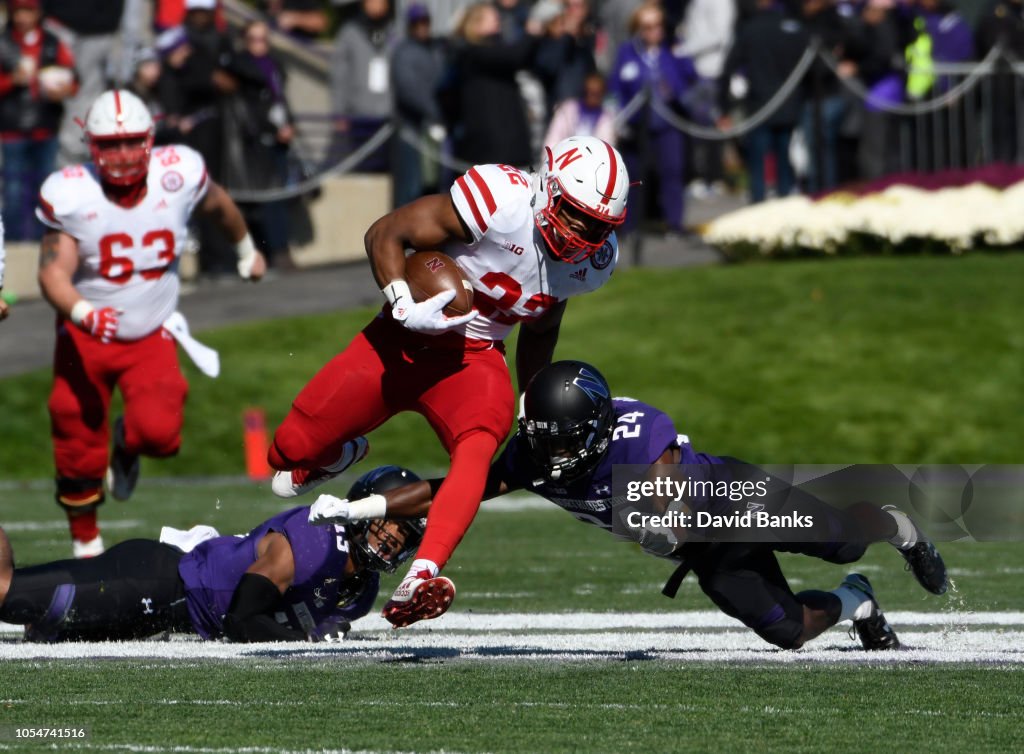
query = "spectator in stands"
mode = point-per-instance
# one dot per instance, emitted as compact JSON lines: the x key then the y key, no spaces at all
{"x":489,"y":117}
{"x":167,"y":14}
{"x":303,"y":18}
{"x":708,"y":27}
{"x":1003,"y":24}
{"x":145,"y":84}
{"x":646,"y":66}
{"x":89,"y":28}
{"x":416,"y":70}
{"x":588,"y":115}
{"x":876,"y":60}
{"x":198,"y":74}
{"x":265,"y":131}
{"x":360,"y":82}
{"x":613,"y":17}
{"x":36,"y":78}
{"x":566,"y":53}
{"x":768,"y":48}
{"x":826,"y":96}
{"x":513,"y":16}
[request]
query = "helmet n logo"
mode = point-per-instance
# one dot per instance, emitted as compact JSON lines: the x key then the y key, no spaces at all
{"x":590,"y":384}
{"x":568,"y":158}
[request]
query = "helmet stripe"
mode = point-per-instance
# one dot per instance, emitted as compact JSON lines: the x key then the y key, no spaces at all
{"x":613,"y":174}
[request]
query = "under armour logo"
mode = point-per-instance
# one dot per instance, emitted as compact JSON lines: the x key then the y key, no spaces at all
{"x":147,"y":603}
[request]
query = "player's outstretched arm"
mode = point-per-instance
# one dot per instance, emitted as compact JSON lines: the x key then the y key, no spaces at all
{"x":411,"y":501}
{"x":537,"y":341}
{"x":250,"y":616}
{"x":222,"y":208}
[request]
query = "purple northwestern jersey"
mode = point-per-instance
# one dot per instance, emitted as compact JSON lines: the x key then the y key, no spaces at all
{"x":212,"y":570}
{"x":642,"y":434}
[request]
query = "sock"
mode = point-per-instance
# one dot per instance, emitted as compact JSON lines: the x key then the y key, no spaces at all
{"x":83,"y":525}
{"x":906,"y":532}
{"x":422,"y":564}
{"x":855,"y":604}
{"x":457,"y":501}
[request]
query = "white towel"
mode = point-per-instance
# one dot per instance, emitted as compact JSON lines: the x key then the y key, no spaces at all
{"x":205,"y":358}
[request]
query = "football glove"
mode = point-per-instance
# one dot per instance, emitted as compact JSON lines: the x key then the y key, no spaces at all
{"x":425,"y":316}
{"x":100,"y":323}
{"x":328,"y":509}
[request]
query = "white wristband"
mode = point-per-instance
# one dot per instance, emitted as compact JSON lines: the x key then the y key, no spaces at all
{"x":395,"y":291}
{"x":80,"y":311}
{"x":374,"y":506}
{"x":246,"y":251}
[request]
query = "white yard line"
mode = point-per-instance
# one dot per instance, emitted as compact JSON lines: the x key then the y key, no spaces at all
{"x":581,"y":637}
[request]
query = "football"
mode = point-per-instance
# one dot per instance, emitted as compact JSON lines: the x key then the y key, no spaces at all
{"x":431,"y":272}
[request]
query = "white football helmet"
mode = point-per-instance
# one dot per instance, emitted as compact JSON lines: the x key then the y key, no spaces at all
{"x":581,"y":196}
{"x":119,"y":132}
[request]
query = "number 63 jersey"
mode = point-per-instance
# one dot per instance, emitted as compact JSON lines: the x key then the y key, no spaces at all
{"x":128,"y":256}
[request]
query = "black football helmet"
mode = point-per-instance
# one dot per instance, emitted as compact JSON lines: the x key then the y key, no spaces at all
{"x":383,"y":544}
{"x":567,"y":417}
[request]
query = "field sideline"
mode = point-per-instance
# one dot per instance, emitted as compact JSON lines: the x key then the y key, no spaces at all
{"x":559,"y":640}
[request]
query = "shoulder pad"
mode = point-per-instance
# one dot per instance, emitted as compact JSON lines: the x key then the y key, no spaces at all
{"x":486,"y":191}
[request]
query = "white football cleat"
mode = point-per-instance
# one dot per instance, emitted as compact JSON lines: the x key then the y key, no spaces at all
{"x":300,"y":481}
{"x":81,"y":550}
{"x":419,"y":597}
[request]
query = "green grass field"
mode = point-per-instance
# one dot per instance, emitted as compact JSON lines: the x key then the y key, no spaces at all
{"x":883,"y":360}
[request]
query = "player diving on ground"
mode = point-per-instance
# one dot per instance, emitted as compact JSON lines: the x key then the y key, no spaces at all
{"x":286,"y":580}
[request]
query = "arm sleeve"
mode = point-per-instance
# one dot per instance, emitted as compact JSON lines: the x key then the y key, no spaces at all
{"x":249,"y":617}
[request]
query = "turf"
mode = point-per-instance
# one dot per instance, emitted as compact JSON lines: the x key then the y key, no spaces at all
{"x":868,"y":360}
{"x":856,"y":361}
{"x":527,"y":707}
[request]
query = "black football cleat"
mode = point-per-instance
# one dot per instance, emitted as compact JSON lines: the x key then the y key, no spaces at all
{"x":123,"y":472}
{"x":923,"y":560}
{"x":874,"y":631}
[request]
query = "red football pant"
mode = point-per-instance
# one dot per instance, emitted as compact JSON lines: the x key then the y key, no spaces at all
{"x":85,"y":374}
{"x":462,"y":387}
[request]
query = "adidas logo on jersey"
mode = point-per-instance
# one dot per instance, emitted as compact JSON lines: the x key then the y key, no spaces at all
{"x":580,"y":275}
{"x":162,"y":204}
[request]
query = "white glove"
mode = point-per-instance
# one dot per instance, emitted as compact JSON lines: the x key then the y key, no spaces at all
{"x":426,"y":316}
{"x":328,"y":509}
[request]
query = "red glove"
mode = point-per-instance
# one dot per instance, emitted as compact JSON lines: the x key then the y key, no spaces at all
{"x":100,"y":323}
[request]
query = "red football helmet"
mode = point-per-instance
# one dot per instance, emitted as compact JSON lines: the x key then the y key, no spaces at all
{"x":119,"y":132}
{"x":581,"y":198}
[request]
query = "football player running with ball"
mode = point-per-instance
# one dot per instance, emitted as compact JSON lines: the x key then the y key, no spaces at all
{"x":286,"y":580}
{"x":109,"y":265}
{"x":571,"y":435}
{"x":526,"y":243}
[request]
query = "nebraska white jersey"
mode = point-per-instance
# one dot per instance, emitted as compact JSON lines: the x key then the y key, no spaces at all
{"x":513,"y":276}
{"x":128,"y":257}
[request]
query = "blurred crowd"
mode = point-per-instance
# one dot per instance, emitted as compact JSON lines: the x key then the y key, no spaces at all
{"x":493,"y":81}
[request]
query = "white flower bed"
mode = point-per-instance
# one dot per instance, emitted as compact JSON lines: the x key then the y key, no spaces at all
{"x":954,"y":219}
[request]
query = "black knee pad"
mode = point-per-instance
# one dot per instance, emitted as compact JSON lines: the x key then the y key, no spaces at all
{"x":79,"y":495}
